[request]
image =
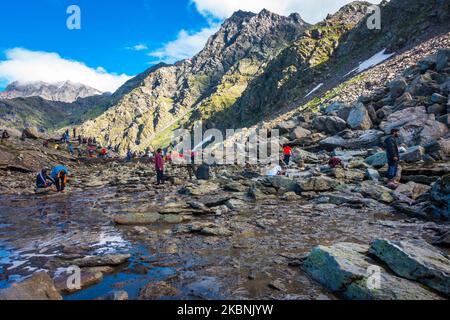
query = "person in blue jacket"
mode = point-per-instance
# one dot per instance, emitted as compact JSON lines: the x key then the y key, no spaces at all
{"x":59,"y":176}
{"x":43,"y":180}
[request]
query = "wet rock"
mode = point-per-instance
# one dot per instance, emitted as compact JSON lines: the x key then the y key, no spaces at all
{"x":440,"y":198}
{"x":64,"y":283}
{"x":158,"y":291}
{"x":329,"y":124}
{"x":359,"y":118}
{"x":117,"y":295}
{"x":413,"y":190}
{"x":415,"y":260}
{"x":204,"y":228}
{"x":216,"y":231}
{"x":39,"y":287}
{"x":376,"y":192}
{"x":345,"y":268}
{"x":137,"y":218}
{"x":105,"y":260}
{"x":174,"y":218}
{"x":320,"y":183}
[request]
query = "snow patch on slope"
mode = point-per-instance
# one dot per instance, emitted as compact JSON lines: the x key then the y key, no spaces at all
{"x":371,"y":62}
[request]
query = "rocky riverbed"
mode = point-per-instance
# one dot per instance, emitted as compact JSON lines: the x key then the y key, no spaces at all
{"x":215,"y":239}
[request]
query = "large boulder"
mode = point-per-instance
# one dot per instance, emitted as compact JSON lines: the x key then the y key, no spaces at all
{"x":415,"y":260}
{"x":359,"y":118}
{"x":39,"y":287}
{"x":442,"y":59}
{"x":378,"y":160}
{"x":417,"y":127}
{"x":346,"y":269}
{"x":329,"y":124}
{"x":440,"y":198}
{"x":353,"y":140}
{"x":334,"y":107}
{"x":283,"y":183}
{"x":286,"y":126}
{"x":397,"y":87}
{"x":376,"y":191}
{"x":31,"y":133}
{"x":413,"y":154}
{"x":413,"y":190}
{"x":320,"y":183}
{"x":299,"y":133}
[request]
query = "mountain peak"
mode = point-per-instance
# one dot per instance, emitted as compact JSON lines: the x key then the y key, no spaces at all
{"x":64,"y":91}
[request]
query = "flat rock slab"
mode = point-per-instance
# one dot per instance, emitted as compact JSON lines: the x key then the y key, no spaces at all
{"x":346,"y":269}
{"x":415,"y":260}
{"x":106,"y":260}
{"x":65,"y":285}
{"x":137,"y":218}
{"x":39,"y":287}
{"x":144,"y":218}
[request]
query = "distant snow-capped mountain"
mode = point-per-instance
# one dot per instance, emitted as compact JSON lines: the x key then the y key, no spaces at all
{"x":65,"y":91}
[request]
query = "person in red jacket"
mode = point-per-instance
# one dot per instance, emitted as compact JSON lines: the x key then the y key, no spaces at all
{"x":287,"y":150}
{"x":159,"y":166}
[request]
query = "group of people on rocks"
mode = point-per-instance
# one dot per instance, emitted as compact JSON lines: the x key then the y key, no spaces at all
{"x":58,"y":175}
{"x":392,"y":149}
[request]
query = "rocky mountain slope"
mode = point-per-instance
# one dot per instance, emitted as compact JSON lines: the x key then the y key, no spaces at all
{"x":45,"y":115}
{"x":330,"y":50}
{"x":66,"y":91}
{"x":218,"y":74}
{"x":245,"y":76}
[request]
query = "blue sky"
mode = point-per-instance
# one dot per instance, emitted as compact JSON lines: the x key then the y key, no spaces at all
{"x":118,"y":39}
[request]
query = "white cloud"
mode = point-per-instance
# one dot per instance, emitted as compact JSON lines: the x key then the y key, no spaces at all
{"x":26,"y":66}
{"x":312,"y":11}
{"x":138,"y":47}
{"x":186,"y":45}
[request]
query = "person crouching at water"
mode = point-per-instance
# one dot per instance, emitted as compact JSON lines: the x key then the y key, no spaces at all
{"x":59,"y":176}
{"x":159,"y":167}
{"x":43,"y":180}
